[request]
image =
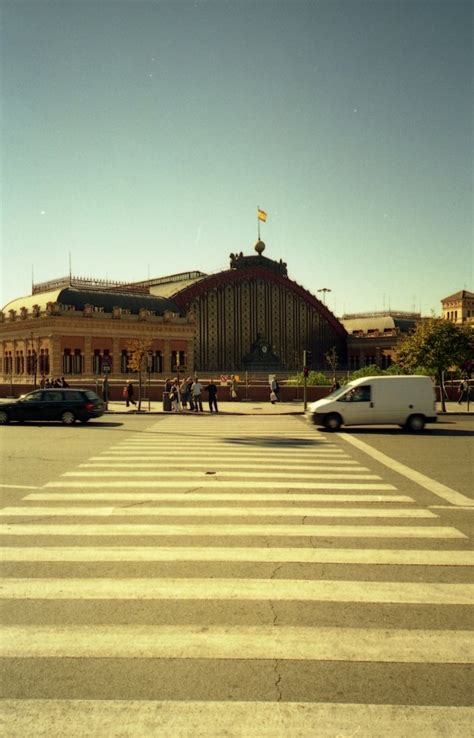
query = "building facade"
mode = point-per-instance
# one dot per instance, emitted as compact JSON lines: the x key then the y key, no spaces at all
{"x":254,"y":317}
{"x":84,"y":329}
{"x":372,"y":338}
{"x":459,"y":308}
{"x":251,"y":317}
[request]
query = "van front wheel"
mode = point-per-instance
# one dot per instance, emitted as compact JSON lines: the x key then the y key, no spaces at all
{"x":332,"y":422}
{"x":415,"y":423}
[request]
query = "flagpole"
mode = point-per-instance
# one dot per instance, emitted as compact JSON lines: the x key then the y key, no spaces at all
{"x":258,"y":222}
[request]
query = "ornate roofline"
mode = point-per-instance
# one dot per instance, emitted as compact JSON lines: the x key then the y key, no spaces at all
{"x":236,"y":276}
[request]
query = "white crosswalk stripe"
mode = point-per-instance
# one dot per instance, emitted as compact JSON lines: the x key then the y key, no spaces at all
{"x":231,"y":624}
{"x":209,"y":719}
{"x":252,"y":642}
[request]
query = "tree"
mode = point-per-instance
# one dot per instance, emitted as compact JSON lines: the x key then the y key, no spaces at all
{"x":372,"y":370}
{"x":137,"y":350}
{"x":332,"y":359}
{"x":435,"y":345}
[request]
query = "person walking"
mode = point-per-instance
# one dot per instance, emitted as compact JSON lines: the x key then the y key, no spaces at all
{"x":211,"y":389}
{"x":274,"y":391}
{"x":130,"y":392}
{"x":196,"y":391}
{"x":463,"y":390}
{"x":233,"y":387}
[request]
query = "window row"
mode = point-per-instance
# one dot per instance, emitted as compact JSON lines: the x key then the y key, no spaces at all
{"x":29,"y":363}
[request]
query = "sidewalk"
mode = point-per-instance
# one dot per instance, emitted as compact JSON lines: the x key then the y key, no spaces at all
{"x":247,"y":407}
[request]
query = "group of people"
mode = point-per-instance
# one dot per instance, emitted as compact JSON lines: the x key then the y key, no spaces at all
{"x":48,"y":382}
{"x":189,"y":393}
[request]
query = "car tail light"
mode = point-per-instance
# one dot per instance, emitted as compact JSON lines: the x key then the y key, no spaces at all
{"x":89,"y":406}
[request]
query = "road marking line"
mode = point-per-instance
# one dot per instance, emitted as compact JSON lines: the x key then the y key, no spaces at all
{"x":213,"y":497}
{"x":221,"y":511}
{"x":209,"y":481}
{"x":366,"y":556}
{"x":224,"y":530}
{"x":187,"y":719}
{"x":138,"y":463}
{"x":157,"y":472}
{"x":17,"y":486}
{"x":227,"y":453}
{"x":229,"y":642}
{"x":438,"y":489}
{"x":83,"y":588}
{"x":430,"y":507}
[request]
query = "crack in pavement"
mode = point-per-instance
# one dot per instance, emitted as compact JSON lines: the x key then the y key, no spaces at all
{"x":278,"y":680}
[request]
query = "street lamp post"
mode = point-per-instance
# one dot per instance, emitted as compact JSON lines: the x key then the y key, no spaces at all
{"x":324,"y":290}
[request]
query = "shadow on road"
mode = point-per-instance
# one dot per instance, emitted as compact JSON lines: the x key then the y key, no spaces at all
{"x":273,"y":441}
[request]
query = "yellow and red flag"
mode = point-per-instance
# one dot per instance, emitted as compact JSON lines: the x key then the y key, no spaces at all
{"x":261,"y":215}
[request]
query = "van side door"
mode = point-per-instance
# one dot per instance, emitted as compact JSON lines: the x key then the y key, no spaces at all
{"x":357,"y":406}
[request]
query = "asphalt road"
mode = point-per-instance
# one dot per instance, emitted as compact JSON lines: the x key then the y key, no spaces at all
{"x":235,"y":576}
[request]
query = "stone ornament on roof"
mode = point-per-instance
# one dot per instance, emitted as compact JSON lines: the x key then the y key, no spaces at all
{"x":239,"y":261}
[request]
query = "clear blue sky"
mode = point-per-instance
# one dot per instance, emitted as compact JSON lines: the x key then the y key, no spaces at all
{"x":141,"y":136}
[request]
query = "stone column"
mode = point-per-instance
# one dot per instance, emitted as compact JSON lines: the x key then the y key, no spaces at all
{"x":55,"y":359}
{"x":167,"y":357}
{"x":115,"y":355}
{"x":87,"y":356}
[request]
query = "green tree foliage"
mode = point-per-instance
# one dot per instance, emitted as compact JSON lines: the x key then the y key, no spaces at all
{"x":435,"y":346}
{"x":137,"y":350}
{"x":368,"y":371}
{"x":313,"y":379}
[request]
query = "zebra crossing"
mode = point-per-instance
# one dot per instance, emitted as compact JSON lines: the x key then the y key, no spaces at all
{"x":245,"y":578}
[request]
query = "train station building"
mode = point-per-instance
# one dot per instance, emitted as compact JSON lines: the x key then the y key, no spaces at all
{"x":251,"y":317}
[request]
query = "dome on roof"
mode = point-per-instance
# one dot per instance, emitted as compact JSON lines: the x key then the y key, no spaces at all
{"x":259,"y":247}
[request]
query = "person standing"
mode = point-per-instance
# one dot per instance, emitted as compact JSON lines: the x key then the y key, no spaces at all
{"x":211,"y":389}
{"x":184,"y":392}
{"x":174,"y":396}
{"x":196,"y":392}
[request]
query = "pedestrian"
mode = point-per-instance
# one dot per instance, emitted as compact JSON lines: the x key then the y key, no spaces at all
{"x":174,"y":396}
{"x":197,"y":395}
{"x":189,"y":384}
{"x":335,"y":386}
{"x":233,"y":394}
{"x":168,"y":385}
{"x":185,"y":393}
{"x":42,"y":383}
{"x":274,"y":391}
{"x":130,"y":392}
{"x":211,"y":389}
{"x":463,"y":390}
{"x":63,"y":382}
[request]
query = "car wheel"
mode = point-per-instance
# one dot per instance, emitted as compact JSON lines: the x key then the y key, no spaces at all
{"x":68,"y":417}
{"x":332,"y":422}
{"x":415,"y":423}
{"x":4,"y":419}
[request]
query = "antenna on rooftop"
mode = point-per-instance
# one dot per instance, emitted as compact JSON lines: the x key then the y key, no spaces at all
{"x":70,"y":270}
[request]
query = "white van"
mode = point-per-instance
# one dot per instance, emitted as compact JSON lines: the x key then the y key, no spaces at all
{"x":408,"y":401}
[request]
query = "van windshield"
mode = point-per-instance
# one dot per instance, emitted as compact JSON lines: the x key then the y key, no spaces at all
{"x":338,"y":392}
